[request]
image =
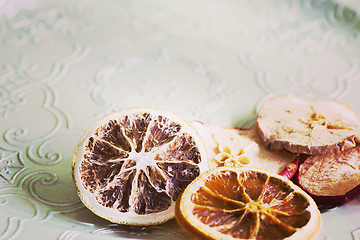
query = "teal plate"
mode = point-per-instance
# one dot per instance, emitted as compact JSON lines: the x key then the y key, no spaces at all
{"x":64,"y":64}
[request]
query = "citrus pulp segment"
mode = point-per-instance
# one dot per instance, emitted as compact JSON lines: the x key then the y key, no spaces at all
{"x":131,"y":166}
{"x":246,"y":203}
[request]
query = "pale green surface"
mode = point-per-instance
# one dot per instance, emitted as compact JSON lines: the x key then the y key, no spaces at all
{"x":64,"y":64}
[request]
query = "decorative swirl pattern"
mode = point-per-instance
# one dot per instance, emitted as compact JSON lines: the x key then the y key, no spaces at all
{"x":166,"y":87}
{"x":15,"y":223}
{"x":66,"y":63}
{"x":10,"y":166}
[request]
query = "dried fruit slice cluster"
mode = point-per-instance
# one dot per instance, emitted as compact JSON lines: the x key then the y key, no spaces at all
{"x":131,"y":166}
{"x":327,"y":132}
{"x":247,"y":203}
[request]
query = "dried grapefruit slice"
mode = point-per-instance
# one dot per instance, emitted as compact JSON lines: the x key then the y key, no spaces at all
{"x":247,"y":203}
{"x":131,"y":166}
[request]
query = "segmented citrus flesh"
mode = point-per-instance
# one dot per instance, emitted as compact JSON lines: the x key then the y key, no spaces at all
{"x":131,"y":166}
{"x":247,"y":203}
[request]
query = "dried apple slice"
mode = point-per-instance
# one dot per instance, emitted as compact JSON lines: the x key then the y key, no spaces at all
{"x":240,"y":147}
{"x":334,"y":176}
{"x":307,"y":126}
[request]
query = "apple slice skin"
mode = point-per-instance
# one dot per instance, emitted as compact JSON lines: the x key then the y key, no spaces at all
{"x":291,"y":169}
{"x":335,"y":200}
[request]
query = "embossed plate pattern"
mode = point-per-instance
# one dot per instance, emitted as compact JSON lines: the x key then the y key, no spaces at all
{"x":64,"y":64}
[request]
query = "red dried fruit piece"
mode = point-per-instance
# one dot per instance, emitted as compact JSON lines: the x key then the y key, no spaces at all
{"x":291,"y":169}
{"x":332,"y":178}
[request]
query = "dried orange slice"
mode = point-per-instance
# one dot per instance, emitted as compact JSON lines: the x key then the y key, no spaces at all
{"x":247,"y":203}
{"x":131,"y":166}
